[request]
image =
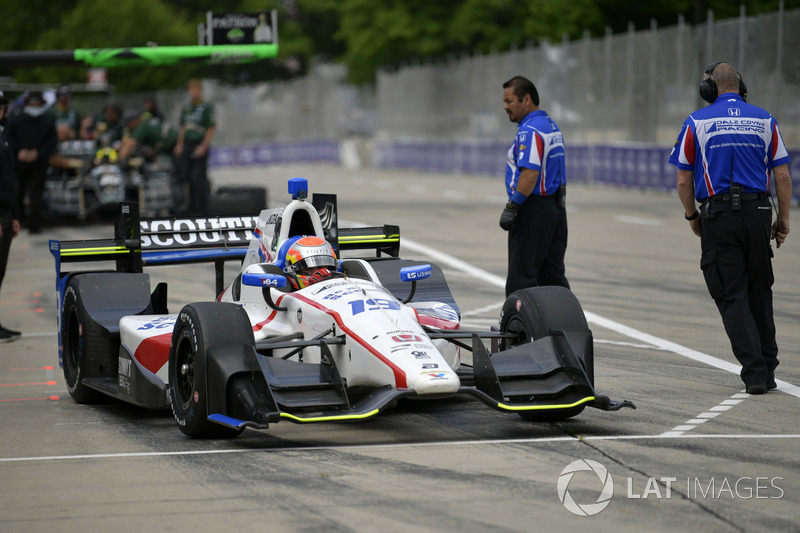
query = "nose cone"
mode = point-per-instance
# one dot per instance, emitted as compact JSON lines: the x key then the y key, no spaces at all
{"x":436,"y":382}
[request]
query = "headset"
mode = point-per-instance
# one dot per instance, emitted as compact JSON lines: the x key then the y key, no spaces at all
{"x":708,"y":87}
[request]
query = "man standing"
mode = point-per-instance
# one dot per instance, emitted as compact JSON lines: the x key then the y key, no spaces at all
{"x":68,"y":121}
{"x":535,"y":216}
{"x":724,"y":155}
{"x":191,"y":150}
{"x":9,"y":211}
{"x":32,"y":136}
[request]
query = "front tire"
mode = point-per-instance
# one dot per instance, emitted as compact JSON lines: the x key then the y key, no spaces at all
{"x":531,"y":314}
{"x":199,"y":327}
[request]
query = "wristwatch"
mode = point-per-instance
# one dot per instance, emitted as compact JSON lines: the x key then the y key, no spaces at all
{"x":696,"y":214}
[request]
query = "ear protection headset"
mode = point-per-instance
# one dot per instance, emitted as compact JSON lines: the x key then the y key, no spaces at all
{"x":708,"y":87}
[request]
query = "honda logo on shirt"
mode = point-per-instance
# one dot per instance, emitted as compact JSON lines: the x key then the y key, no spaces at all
{"x":734,"y":112}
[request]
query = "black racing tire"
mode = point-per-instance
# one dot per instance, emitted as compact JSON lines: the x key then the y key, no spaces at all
{"x":199,"y":328}
{"x":531,"y":313}
{"x":77,"y":333}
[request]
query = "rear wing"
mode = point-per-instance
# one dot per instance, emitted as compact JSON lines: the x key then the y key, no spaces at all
{"x":150,"y":242}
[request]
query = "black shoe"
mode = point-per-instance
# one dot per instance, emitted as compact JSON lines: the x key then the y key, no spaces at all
{"x":771,"y":384}
{"x":9,"y":334}
{"x":758,"y":388}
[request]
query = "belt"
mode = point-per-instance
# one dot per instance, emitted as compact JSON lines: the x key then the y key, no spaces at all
{"x":745,"y":196}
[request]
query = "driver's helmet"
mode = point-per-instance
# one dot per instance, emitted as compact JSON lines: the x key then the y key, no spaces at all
{"x":304,"y":257}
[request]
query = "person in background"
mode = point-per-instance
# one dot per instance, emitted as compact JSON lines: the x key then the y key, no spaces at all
{"x":68,"y":121}
{"x":32,"y":137}
{"x":196,"y":131}
{"x":9,"y":208}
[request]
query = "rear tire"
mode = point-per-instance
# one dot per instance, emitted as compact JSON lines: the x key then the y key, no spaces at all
{"x":199,"y":328}
{"x":77,"y":332}
{"x":531,"y":313}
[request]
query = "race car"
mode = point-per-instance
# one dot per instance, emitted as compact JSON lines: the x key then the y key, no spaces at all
{"x":271,"y":347}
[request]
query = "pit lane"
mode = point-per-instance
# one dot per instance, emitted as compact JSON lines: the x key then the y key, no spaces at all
{"x":431,"y":466}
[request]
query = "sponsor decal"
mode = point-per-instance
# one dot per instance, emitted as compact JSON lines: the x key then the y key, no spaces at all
{"x":420,"y":355}
{"x":435,"y":375}
{"x":299,"y":315}
{"x":158,"y":323}
{"x":518,"y":305}
{"x":124,"y":375}
{"x":429,"y":366}
{"x":734,"y":112}
{"x":196,"y":397}
{"x":80,"y":329}
{"x":407,"y":338}
{"x":188,"y":231}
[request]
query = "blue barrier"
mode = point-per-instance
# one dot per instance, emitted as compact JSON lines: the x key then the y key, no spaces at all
{"x":635,"y":166}
{"x":275,"y":153}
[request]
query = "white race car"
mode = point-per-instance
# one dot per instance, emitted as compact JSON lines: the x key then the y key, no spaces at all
{"x":372,"y":331}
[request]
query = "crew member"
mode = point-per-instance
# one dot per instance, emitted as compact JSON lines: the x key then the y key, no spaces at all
{"x":153,"y":134}
{"x":9,"y":209}
{"x":535,"y":215}
{"x":197,"y":126}
{"x":724,"y":155}
{"x":68,"y":121}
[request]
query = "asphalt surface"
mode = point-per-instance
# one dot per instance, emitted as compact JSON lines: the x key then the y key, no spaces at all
{"x":696,"y":454}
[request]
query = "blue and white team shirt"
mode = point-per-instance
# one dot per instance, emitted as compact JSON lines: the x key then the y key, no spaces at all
{"x":729,"y":141}
{"x":538,"y":145}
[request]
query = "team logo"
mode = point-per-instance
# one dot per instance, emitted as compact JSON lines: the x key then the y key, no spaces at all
{"x":196,"y":396}
{"x":586,"y":509}
{"x":519,"y":305}
{"x":734,"y":112}
{"x":406,"y":338}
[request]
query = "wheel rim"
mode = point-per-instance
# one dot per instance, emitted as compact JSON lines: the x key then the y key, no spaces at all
{"x":184,"y":370}
{"x":516,"y":326}
{"x":73,"y":344}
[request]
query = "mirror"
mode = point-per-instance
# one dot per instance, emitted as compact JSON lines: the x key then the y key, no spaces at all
{"x":415,"y":273}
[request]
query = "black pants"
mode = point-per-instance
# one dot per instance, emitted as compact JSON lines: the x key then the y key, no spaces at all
{"x":193,"y":171}
{"x":537,"y":244}
{"x":737,"y":266}
{"x":31,"y":178}
{"x":5,"y":244}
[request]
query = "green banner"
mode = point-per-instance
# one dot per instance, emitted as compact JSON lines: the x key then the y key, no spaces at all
{"x":171,"y":55}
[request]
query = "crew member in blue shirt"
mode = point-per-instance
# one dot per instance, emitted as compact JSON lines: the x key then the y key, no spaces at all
{"x":535,"y":215}
{"x":724,"y":155}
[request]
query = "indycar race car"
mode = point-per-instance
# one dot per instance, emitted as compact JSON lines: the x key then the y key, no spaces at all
{"x":373,"y":331}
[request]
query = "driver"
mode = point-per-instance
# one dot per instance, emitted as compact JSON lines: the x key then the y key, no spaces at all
{"x":309,"y":260}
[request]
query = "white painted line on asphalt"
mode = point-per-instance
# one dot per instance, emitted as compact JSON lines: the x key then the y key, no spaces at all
{"x":356,"y":447}
{"x":454,"y":195}
{"x":724,"y":405}
{"x":482,"y":310}
{"x":639,"y":221}
{"x":633,"y":333}
{"x":630,"y":344}
{"x":40,"y":334}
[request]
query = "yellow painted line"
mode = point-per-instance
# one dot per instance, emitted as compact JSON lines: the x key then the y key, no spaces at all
{"x":381,"y":236}
{"x":544,"y":407}
{"x":331,"y":418}
{"x":109,"y":252}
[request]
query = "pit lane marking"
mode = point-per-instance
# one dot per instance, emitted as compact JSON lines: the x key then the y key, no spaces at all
{"x":627,"y":331}
{"x":715,"y":411}
{"x":356,"y":447}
